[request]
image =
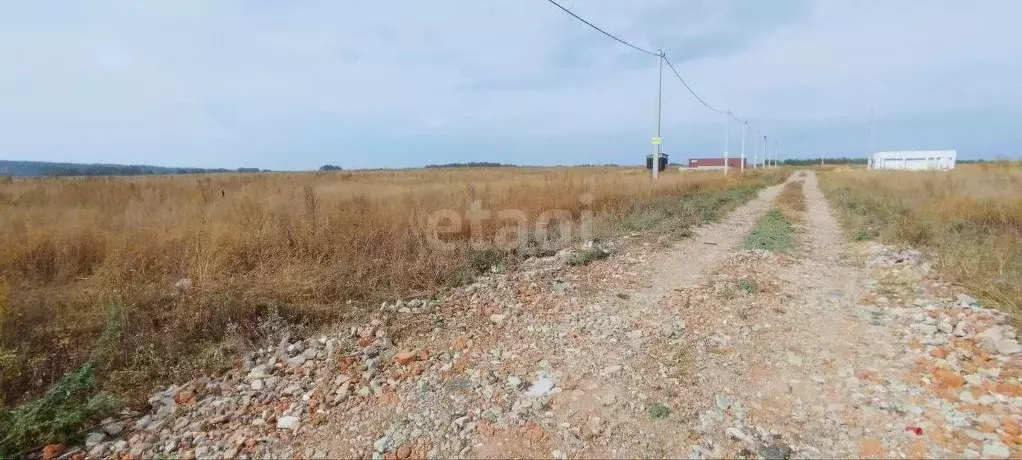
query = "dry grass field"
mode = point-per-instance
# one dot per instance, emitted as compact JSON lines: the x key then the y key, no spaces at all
{"x":970,"y":219}
{"x":88,"y":255}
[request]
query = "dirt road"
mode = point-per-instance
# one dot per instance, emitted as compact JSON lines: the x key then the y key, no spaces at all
{"x":699,"y":350}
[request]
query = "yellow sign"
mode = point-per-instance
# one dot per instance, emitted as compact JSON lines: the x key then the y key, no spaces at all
{"x":656,"y":140}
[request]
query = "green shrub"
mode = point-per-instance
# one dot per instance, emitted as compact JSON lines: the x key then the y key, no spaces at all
{"x":659,"y":411}
{"x":62,"y":413}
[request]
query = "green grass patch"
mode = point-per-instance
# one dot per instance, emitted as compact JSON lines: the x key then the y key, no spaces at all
{"x":659,"y":411}
{"x":772,"y":233}
{"x":675,"y":216}
{"x":748,"y":286}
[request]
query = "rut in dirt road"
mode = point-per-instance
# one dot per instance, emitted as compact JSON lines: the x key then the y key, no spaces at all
{"x":832,"y":350}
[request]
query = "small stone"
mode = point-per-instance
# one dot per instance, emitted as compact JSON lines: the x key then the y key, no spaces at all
{"x":636,"y":334}
{"x":98,"y":451}
{"x":966,"y":298}
{"x":736,"y":434}
{"x":380,"y":445}
{"x":945,"y":327}
{"x":52,"y":451}
{"x":94,"y":438}
{"x":257,"y":385}
{"x":594,"y":426}
{"x":404,"y":357}
{"x":608,"y":399}
{"x":258,"y":372}
{"x":612,"y":369}
{"x":723,"y":402}
{"x":497,"y":318}
{"x":111,"y":427}
{"x":288,"y":422}
{"x":963,"y":329}
{"x":514,"y":381}
{"x":995,"y":449}
{"x":926,"y":329}
{"x":938,"y":340}
{"x":404,"y":452}
{"x":794,"y":360}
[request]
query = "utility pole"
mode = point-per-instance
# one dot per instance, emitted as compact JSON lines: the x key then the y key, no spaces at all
{"x":766,"y":153}
{"x":659,"y":99}
{"x":755,"y":151}
{"x":744,"y":127}
{"x":727,"y":136}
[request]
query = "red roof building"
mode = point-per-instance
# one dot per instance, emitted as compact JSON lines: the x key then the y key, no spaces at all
{"x":714,"y":163}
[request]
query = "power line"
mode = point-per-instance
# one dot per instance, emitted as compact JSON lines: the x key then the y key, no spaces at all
{"x":603,"y":31}
{"x":660,"y":54}
{"x":690,"y":90}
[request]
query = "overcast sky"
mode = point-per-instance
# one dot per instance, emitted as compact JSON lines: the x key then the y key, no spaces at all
{"x":397,"y":83}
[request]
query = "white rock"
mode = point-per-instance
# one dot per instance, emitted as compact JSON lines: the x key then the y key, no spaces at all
{"x":993,"y":340}
{"x":612,"y":369}
{"x":288,"y":422}
{"x":937,"y":339}
{"x":966,"y":298}
{"x":735,"y":433}
{"x":98,"y":451}
{"x":994,"y":449}
{"x":257,"y":385}
{"x":497,"y":318}
{"x":963,"y":329}
{"x":541,"y":387}
{"x":94,"y":438}
{"x":112,"y":428}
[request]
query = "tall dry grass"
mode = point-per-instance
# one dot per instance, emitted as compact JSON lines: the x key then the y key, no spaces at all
{"x":791,"y":201}
{"x":970,"y":219}
{"x":307,"y":247}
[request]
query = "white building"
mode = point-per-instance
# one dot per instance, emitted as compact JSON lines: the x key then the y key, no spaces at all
{"x":915,"y":160}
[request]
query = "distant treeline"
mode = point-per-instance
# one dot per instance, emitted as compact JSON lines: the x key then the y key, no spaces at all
{"x":44,"y":168}
{"x":829,"y":161}
{"x":472,"y":164}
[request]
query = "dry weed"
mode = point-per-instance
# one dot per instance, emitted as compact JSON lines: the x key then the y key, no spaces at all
{"x":301,"y":247}
{"x":970,"y":219}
